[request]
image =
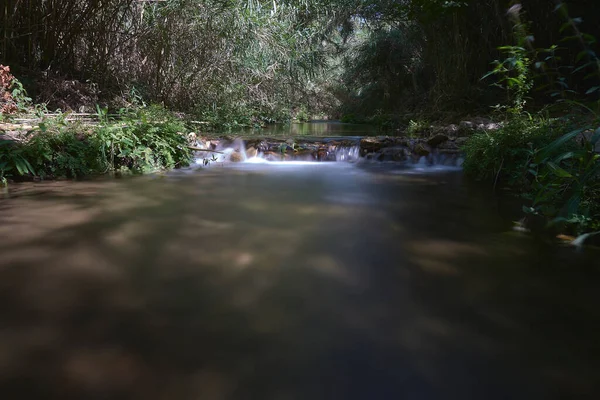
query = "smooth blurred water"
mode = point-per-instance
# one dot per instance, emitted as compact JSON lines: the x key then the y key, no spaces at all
{"x":288,"y":281}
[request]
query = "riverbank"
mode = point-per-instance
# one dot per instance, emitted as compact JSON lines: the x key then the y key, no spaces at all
{"x":141,"y":140}
{"x":150,"y":139}
{"x":550,"y":164}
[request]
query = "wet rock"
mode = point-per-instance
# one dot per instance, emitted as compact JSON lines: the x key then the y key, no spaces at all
{"x":437,"y":140}
{"x":397,"y":154}
{"x":481,"y":121}
{"x":321,"y":154}
{"x":451,"y":129}
{"x":400,"y":141}
{"x":192,"y":138}
{"x":421,"y":149}
{"x":375,"y":157}
{"x":273,"y":156}
{"x":466,"y":125}
{"x":370,"y":145}
{"x":304,"y":152}
{"x":251,"y":152}
{"x":262,"y":146}
{"x":236,"y":156}
{"x":492,"y":126}
{"x":448,"y":145}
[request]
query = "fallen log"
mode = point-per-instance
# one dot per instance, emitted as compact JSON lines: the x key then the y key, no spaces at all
{"x":207,"y":150}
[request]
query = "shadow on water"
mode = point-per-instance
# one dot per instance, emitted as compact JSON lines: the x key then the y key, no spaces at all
{"x":316,"y":283}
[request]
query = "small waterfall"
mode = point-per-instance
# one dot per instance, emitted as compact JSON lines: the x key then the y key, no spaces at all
{"x":409,"y":153}
{"x":276,"y":150}
{"x":222,"y":152}
{"x":347,"y":153}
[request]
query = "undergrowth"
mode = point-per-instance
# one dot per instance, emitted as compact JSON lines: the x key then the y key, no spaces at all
{"x":554,"y":164}
{"x":139,"y":140}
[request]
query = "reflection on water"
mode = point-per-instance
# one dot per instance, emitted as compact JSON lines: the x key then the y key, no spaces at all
{"x":318,"y":129}
{"x":273,"y":282}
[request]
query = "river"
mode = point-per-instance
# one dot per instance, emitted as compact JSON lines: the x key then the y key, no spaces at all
{"x":288,"y":281}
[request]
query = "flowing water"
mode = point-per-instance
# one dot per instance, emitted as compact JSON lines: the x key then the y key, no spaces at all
{"x":288,"y":281}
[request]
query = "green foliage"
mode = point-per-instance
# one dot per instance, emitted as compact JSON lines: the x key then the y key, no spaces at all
{"x":506,"y":152}
{"x":565,"y":179}
{"x":141,"y":141}
{"x":60,"y":149}
{"x":555,"y":164}
{"x":381,"y":70}
{"x":350,"y":118}
{"x":20,"y":96}
{"x":416,"y":128}
{"x":514,"y":73}
{"x":13,"y":161}
{"x":302,"y":114}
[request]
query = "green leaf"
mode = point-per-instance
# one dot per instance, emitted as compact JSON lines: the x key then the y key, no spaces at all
{"x":488,"y":75}
{"x":581,"y":55}
{"x":570,"y":37}
{"x":592,"y":90}
{"x":557,"y":144}
{"x":564,"y":26}
{"x":564,"y":156}
{"x":590,"y":39}
{"x":558,"y":171}
{"x":21,"y":166}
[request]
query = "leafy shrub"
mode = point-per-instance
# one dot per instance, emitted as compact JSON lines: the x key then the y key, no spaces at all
{"x":506,"y":152}
{"x":302,"y":115}
{"x":141,"y":141}
{"x":13,"y":97}
{"x":553,"y":163}
{"x":61,"y":150}
{"x":565,"y":180}
{"x":12,"y":160}
{"x":144,"y":140}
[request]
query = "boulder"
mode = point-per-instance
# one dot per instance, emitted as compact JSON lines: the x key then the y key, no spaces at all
{"x":421,"y":149}
{"x":251,"y":152}
{"x":370,"y":145}
{"x":322,"y":154}
{"x":437,"y":140}
{"x":375,"y":157}
{"x":466,"y":125}
{"x":236,"y":156}
{"x":448,"y":145}
{"x":397,"y":154}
